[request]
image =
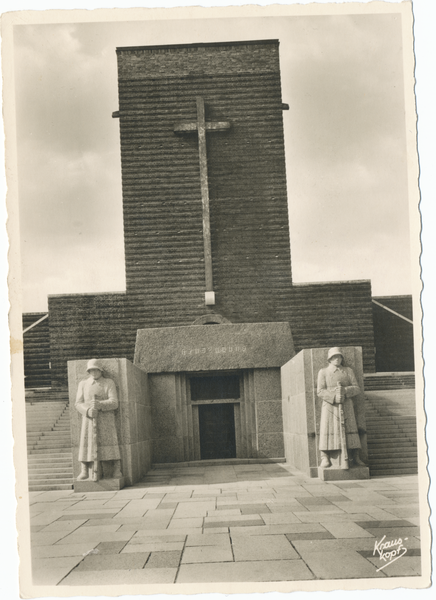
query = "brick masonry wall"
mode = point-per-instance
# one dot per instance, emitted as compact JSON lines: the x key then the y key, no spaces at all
{"x":393,"y":336}
{"x":239,"y":83}
{"x":333,"y":314}
{"x":84,"y":326}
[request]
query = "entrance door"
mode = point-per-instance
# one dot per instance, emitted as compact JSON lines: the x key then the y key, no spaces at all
{"x":217,"y":431}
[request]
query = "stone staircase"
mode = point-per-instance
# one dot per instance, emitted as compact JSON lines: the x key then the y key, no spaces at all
{"x":389,"y":381}
{"x":48,"y":440}
{"x":392,"y":436}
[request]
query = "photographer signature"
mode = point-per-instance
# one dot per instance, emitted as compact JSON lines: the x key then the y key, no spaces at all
{"x":389,"y":551}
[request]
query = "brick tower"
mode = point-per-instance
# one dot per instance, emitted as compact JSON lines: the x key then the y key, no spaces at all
{"x":200,"y":124}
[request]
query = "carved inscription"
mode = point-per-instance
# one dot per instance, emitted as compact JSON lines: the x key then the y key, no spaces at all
{"x":214,"y":350}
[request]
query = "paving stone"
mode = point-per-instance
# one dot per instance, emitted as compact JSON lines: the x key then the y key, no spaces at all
{"x":193,"y":509}
{"x":147,"y":546}
{"x":383,"y":524}
{"x":255,"y":509}
{"x":410,"y":552}
{"x":314,"y":500}
{"x":317,"y":517}
{"x":229,"y":518}
{"x":60,"y":550}
{"x":186,"y":523}
{"x":342,"y":564}
{"x":36,"y":528}
{"x":81,"y":536}
{"x":406,"y":566}
{"x":265,"y":547}
{"x":207,"y":554}
{"x":224,"y":513}
{"x":394,"y":532}
{"x":110,"y":547}
{"x":234,"y":523}
{"x":86,"y":514}
{"x":208,"y":540}
{"x":50,"y":571}
{"x":346,"y":530}
{"x":286,"y":508}
{"x":310,"y":535}
{"x":157,"y":539}
{"x":275,"y":529}
{"x":164,"y":560}
{"x":215,"y":530}
{"x":405,"y":511}
{"x":163,"y":533}
{"x":41,"y":538}
{"x":45,"y":518}
{"x":82,"y":516}
{"x":145,"y":525}
{"x":120,"y":577}
{"x":276,"y":518}
{"x":65,"y":525}
{"x":324,"y":508}
{"x":279,"y":570}
{"x":107,"y":562}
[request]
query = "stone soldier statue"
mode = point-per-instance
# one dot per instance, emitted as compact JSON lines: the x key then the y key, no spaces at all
{"x":338,"y":431}
{"x":97,"y":400}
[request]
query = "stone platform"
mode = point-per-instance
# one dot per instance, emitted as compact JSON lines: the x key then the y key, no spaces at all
{"x":222,"y":524}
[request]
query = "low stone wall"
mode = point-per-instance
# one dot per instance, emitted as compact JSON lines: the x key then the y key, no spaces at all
{"x":133,"y":416}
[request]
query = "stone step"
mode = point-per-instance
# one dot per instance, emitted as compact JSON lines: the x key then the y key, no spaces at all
{"x":393,"y":462}
{"x":392,"y":472}
{"x":65,"y":450}
{"x":47,"y":468}
{"x":47,"y":487}
{"x":393,"y":453}
{"x":381,"y":443}
{"x":48,"y":434}
{"x":65,"y":476}
{"x":394,"y":433}
{"x":410,"y":451}
{"x":52,"y":445}
{"x":37,"y":459}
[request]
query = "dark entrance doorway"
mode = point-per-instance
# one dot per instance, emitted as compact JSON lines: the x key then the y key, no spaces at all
{"x":217,"y":431}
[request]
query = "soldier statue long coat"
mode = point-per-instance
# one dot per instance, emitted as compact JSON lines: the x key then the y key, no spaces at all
{"x":329,"y":431}
{"x":104,"y":390}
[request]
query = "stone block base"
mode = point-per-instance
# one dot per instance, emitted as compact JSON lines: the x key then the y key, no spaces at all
{"x":332,"y":474}
{"x":102,"y":485}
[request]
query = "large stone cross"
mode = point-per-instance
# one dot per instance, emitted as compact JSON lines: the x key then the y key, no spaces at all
{"x":201,"y":126}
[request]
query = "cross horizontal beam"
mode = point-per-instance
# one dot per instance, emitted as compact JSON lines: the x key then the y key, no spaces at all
{"x":209,"y":126}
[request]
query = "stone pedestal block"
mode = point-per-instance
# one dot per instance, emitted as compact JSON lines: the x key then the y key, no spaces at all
{"x":132,"y":421}
{"x":103,"y":485}
{"x":332,"y":474}
{"x":302,"y":408}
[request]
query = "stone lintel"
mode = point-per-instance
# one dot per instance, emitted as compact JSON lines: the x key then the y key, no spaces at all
{"x":214,"y":347}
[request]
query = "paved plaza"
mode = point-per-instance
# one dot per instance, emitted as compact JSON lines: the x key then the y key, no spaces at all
{"x":225,"y":523}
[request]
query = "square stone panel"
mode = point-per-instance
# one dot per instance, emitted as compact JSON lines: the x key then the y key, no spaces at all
{"x":271,"y":445}
{"x":269,"y":417}
{"x":267,"y":385}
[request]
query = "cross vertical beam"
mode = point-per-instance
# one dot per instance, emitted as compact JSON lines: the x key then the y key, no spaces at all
{"x":204,"y":184}
{"x":201,"y":126}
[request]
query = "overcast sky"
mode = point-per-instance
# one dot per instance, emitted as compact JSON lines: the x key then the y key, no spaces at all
{"x":344,"y":137}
